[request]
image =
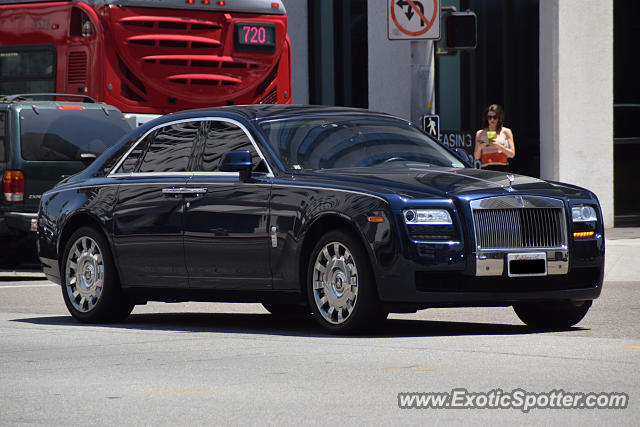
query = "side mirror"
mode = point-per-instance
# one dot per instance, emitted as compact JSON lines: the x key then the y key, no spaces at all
{"x":237,"y":161}
{"x":463,"y":156}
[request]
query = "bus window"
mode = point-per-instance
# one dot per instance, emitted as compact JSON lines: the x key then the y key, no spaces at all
{"x":27,"y":69}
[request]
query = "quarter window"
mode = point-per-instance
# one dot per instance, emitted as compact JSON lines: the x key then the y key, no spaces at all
{"x":131,"y":162}
{"x":168,"y":149}
{"x":223,"y":137}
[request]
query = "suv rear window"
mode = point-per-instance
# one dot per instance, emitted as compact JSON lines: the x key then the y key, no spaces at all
{"x":52,"y":135}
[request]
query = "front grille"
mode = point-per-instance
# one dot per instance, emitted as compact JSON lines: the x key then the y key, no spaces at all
{"x":519,"y":228}
{"x":519,"y":222}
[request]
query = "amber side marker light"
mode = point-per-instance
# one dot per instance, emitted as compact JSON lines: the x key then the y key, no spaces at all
{"x":375,"y":219}
{"x":583,"y":234}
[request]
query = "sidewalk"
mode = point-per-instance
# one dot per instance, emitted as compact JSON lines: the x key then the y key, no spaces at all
{"x":622,"y":255}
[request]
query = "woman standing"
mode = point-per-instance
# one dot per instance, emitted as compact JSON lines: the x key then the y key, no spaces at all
{"x":494,"y":142}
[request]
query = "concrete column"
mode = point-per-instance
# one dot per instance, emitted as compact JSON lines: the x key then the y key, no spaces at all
{"x":576,"y":96}
{"x":298,"y":30}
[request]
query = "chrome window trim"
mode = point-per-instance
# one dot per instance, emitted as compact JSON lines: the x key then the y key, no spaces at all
{"x":258,"y":184}
{"x":170,"y":174}
{"x":194,"y":119}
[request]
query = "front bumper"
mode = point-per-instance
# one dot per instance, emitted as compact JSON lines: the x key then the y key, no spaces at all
{"x":442,"y":275}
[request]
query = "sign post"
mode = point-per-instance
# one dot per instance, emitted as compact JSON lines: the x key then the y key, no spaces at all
{"x":418,"y":21}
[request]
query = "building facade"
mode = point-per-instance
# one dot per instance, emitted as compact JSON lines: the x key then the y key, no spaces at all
{"x":551,"y":65}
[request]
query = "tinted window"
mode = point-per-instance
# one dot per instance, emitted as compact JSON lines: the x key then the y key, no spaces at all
{"x":334,"y":142}
{"x":170,"y":148}
{"x":3,"y":132}
{"x":27,"y":70}
{"x":223,"y":137}
{"x":64,"y":135}
{"x":131,"y":162}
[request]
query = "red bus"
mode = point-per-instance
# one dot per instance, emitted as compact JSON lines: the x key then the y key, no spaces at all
{"x":148,"y":56}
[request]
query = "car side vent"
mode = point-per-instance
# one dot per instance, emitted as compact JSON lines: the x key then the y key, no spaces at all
{"x":77,"y":74}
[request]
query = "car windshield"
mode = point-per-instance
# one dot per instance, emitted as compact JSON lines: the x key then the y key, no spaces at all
{"x":343,"y":142}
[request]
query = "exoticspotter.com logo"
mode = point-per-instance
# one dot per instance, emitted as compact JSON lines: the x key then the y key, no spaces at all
{"x":461,"y":398}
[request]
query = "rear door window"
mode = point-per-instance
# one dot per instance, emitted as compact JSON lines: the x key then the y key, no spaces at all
{"x":55,"y":135}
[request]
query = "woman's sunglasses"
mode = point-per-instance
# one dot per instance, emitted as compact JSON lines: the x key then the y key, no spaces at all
{"x":492,"y":117}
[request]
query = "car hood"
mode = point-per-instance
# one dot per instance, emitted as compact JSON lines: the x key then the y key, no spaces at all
{"x":445,"y":182}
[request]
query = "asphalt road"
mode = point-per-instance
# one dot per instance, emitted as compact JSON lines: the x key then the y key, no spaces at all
{"x":196,"y":363}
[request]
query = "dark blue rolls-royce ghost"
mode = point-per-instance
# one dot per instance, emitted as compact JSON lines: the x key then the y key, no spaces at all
{"x":341,"y":213}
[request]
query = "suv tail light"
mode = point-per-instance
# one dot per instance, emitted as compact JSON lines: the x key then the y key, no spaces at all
{"x":13,"y":186}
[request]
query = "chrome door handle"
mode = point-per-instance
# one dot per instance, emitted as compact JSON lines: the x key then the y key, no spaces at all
{"x":184,"y":191}
{"x":173,"y":190}
{"x":191,"y":190}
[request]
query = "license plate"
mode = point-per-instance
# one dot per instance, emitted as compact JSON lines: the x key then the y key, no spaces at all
{"x":255,"y":36}
{"x":527,"y":264}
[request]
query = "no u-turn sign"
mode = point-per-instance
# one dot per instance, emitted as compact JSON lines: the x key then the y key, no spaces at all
{"x":413,"y":19}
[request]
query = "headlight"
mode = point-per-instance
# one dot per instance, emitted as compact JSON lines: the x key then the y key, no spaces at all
{"x":426,"y":216}
{"x":583,"y":214}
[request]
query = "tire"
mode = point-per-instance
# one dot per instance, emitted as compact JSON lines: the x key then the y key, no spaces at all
{"x":285,"y":310}
{"x":552,"y":315}
{"x":90,"y":285}
{"x":340,"y":286}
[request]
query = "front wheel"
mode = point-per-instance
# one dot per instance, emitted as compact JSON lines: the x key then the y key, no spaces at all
{"x":90,"y":285}
{"x":552,"y":314}
{"x":340,"y":286}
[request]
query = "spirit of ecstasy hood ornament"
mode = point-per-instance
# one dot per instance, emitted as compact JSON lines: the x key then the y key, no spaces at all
{"x":511,"y":178}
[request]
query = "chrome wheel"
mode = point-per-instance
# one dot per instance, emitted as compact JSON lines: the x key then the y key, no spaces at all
{"x":335,"y":283}
{"x":84,"y":274}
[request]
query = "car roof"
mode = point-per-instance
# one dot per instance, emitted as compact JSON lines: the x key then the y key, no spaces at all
{"x":44,"y":100}
{"x":278,"y":111}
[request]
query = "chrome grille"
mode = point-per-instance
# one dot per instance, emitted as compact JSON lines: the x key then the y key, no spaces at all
{"x":526,"y":226}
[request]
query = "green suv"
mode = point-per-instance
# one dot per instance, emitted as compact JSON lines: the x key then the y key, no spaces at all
{"x":43,"y":139}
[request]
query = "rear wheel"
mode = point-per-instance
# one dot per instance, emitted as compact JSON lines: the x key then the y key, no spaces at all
{"x":553,"y":314}
{"x":90,"y":285}
{"x":340,"y":285}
